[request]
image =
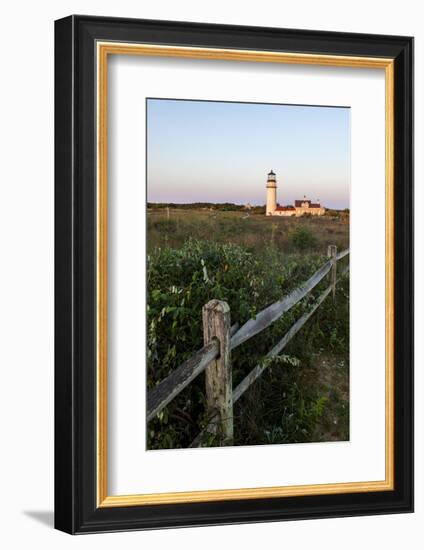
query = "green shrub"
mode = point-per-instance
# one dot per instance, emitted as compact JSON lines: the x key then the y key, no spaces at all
{"x":303,"y":239}
{"x":179,"y":282}
{"x":164,"y":225}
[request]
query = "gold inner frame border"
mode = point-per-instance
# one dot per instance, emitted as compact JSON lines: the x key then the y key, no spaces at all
{"x":103,"y":50}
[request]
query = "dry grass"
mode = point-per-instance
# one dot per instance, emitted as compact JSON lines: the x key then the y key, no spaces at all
{"x":306,"y":403}
{"x":253,"y":232}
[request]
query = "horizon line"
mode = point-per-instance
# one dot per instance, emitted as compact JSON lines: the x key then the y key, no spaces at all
{"x":234,"y":203}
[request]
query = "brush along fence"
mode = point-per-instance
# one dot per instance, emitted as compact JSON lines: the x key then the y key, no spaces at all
{"x":220,"y":338}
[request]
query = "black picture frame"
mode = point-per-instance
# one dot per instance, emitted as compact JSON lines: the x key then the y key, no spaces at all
{"x":76,"y":510}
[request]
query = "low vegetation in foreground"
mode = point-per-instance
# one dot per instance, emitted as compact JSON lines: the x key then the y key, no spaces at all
{"x":248,"y":261}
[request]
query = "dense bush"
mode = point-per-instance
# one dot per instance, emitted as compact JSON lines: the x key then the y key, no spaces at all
{"x":180,"y":281}
{"x":303,"y":239}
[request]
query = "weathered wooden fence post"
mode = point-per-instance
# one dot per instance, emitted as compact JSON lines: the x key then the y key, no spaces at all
{"x":332,"y":254}
{"x":219,"y":384}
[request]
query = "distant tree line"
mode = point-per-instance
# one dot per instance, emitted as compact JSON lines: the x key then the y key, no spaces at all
{"x":222,"y":207}
{"x":231,"y":207}
{"x":333,"y":213}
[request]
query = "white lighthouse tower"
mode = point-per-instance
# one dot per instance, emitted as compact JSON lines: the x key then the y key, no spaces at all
{"x":271,"y":194}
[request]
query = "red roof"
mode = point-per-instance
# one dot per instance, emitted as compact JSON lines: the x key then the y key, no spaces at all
{"x":298,"y":203}
{"x":285,"y":208}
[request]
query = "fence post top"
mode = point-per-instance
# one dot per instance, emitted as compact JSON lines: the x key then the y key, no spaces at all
{"x":217,"y":305}
{"x":332,"y":250}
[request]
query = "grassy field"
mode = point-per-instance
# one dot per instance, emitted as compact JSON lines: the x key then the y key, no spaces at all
{"x":249,"y":261}
{"x":254,"y":232}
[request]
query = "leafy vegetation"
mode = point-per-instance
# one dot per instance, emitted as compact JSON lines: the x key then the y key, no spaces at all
{"x":302,"y":238}
{"x":254,"y":232}
{"x":303,"y":394}
{"x":221,"y":207}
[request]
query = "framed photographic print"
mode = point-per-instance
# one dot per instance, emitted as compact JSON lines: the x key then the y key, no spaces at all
{"x":234,"y":274}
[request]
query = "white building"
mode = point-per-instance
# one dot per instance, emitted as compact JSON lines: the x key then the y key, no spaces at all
{"x":301,"y":207}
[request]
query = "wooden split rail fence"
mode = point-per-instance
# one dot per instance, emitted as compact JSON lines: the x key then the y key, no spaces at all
{"x":220,"y":338}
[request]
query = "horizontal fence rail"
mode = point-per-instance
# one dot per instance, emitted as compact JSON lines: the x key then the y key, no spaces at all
{"x":273,"y":312}
{"x":159,"y":396}
{"x":209,"y":357}
{"x":259,"y":369}
{"x":256,"y":372}
{"x":169,"y":388}
{"x":342,"y":254}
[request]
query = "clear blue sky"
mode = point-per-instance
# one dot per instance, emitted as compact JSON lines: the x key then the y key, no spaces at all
{"x":222,"y":151}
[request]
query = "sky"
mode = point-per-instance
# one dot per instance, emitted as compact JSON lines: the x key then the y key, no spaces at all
{"x":210,"y":151}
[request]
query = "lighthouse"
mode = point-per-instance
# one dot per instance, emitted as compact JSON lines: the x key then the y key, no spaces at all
{"x":271,"y":194}
{"x":300,"y":207}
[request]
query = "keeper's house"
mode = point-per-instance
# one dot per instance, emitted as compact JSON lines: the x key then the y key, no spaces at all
{"x":301,"y":207}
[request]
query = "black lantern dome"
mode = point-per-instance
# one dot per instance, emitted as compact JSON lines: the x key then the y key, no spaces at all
{"x":272,"y":176}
